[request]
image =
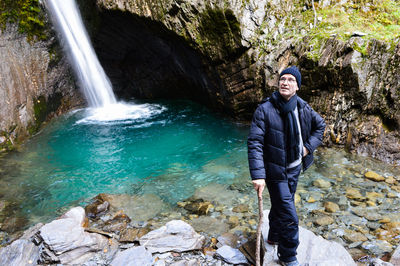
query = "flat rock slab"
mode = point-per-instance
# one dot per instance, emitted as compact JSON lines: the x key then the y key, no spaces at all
{"x":133,"y":257}
{"x":312,"y":251}
{"x":231,"y":255}
{"x":20,"y":252}
{"x":175,"y":235}
{"x":395,"y":259}
{"x":68,"y":241}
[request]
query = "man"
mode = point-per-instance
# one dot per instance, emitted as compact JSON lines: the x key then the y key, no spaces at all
{"x":284,"y":133}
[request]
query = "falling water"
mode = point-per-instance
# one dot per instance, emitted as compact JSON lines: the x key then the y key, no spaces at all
{"x":96,"y":86}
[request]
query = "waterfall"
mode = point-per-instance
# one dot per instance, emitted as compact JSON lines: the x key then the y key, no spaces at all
{"x":96,"y":86}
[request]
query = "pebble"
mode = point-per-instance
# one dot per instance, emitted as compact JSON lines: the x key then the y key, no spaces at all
{"x":351,"y":236}
{"x":396,"y":188}
{"x":325,"y":220}
{"x":374,"y":176}
{"x":372,"y":196}
{"x":353,"y":193}
{"x":331,"y":207}
{"x":311,"y":200}
{"x":377,"y":247}
{"x":297,"y":198}
{"x":241,"y":208}
{"x":233,"y":221}
{"x":322,"y":183}
{"x":369,"y":214}
{"x":390,"y":180}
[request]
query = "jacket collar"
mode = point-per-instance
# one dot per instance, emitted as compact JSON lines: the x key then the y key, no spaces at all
{"x":300,"y":102}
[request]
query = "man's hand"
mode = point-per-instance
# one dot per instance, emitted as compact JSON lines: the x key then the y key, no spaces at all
{"x":259,"y":185}
{"x":305,"y":152}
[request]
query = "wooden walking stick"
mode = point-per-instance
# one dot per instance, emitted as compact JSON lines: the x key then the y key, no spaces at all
{"x":260,"y":221}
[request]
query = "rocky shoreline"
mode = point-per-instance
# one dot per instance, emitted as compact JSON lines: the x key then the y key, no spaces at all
{"x":347,"y":200}
{"x":70,"y":240}
{"x":113,"y":230}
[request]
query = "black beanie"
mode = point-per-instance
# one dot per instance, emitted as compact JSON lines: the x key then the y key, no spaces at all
{"x":293,"y":70}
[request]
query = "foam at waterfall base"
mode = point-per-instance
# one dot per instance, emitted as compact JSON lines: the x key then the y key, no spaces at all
{"x":121,"y":113}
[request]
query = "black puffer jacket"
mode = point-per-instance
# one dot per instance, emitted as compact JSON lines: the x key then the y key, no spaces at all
{"x":266,"y":141}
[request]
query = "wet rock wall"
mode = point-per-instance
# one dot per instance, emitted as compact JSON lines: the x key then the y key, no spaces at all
{"x":35,"y":84}
{"x":240,"y":48}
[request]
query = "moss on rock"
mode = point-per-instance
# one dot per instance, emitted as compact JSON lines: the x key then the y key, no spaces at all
{"x":28,"y":14}
{"x":219,"y":32}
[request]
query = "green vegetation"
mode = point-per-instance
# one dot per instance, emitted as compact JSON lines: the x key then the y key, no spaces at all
{"x":40,"y":109}
{"x":27,"y":14}
{"x":378,"y":19}
{"x":219,"y":29}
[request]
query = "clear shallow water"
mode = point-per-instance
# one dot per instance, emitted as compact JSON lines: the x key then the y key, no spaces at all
{"x":171,"y":149}
{"x":168,"y":149}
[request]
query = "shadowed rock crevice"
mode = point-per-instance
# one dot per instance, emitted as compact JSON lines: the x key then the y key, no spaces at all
{"x":145,"y":60}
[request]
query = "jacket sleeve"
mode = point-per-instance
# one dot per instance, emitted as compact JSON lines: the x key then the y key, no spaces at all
{"x":317,"y":132}
{"x":255,"y":145}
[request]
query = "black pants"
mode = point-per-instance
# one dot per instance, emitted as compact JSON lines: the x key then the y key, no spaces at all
{"x":283,"y":220}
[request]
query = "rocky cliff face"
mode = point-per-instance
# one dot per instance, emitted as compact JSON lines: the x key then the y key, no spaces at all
{"x":228,"y":54}
{"x":35,"y":85}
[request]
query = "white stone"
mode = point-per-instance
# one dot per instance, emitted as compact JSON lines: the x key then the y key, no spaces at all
{"x":68,"y":241}
{"x":20,"y":252}
{"x":313,"y":250}
{"x":176,"y":236}
{"x":231,"y":255}
{"x":379,"y":262}
{"x":395,"y":259}
{"x":133,"y":257}
{"x":77,"y":214}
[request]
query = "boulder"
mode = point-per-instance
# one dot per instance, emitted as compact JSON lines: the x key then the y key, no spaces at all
{"x":20,"y":252}
{"x":175,"y":236}
{"x":132,"y":257}
{"x":65,"y":240}
{"x":313,"y":250}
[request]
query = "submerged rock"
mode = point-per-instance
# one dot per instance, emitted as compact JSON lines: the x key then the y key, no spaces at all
{"x":324,"y":220}
{"x":322,"y":183}
{"x":209,"y":225}
{"x":378,"y":247}
{"x":351,"y":236}
{"x":198,"y":207}
{"x":132,"y":234}
{"x":374,"y":176}
{"x":138,"y":208}
{"x":370,"y":214}
{"x":241,"y":208}
{"x":175,"y":236}
{"x":228,"y":239}
{"x":331,"y":207}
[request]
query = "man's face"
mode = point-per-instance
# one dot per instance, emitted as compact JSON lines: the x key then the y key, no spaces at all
{"x":287,"y":86}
